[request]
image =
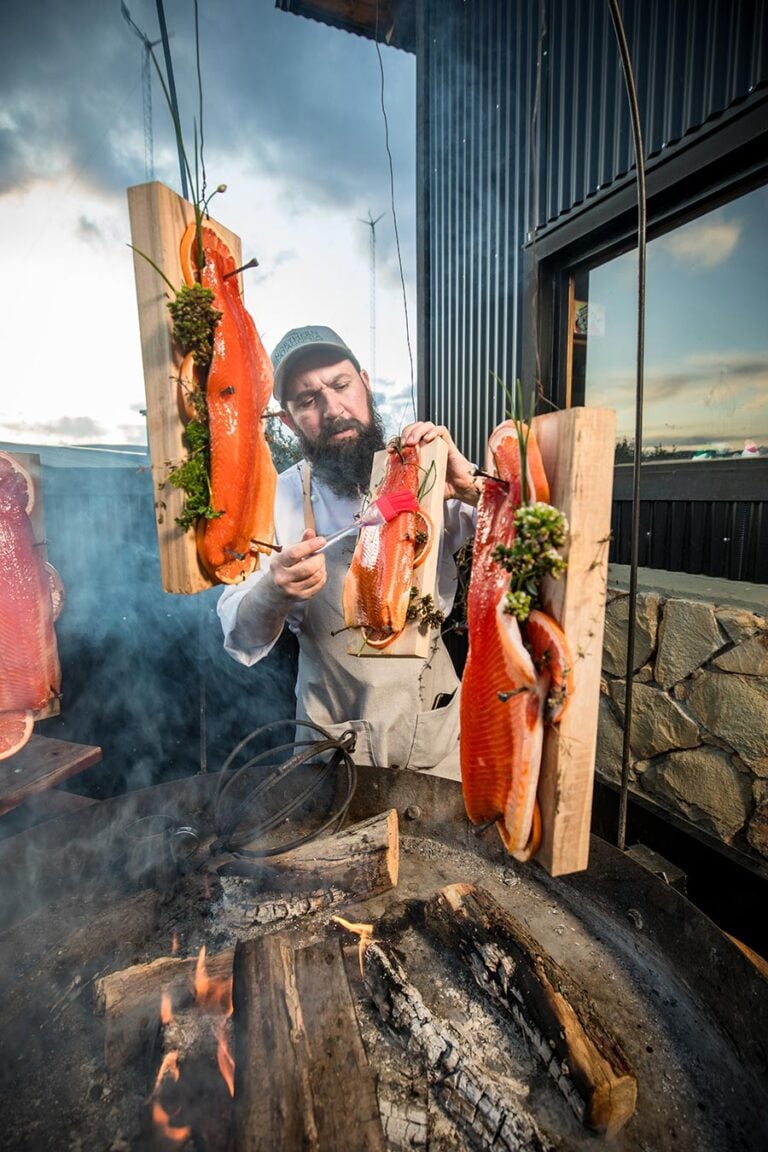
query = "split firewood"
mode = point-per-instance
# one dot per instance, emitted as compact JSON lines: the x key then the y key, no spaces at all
{"x":302,"y":1080}
{"x":362,"y":860}
{"x":130,"y":1000}
{"x":462,"y":1085}
{"x":578,"y":1050}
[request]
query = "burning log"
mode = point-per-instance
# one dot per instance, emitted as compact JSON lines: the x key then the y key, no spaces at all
{"x":464,"y":1087}
{"x":363,"y":861}
{"x":563,"y":1025}
{"x":302,"y":1079}
{"x":131,"y":1000}
{"x":191,"y":1098}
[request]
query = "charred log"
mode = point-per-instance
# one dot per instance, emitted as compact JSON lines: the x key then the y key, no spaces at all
{"x":462,"y":1085}
{"x":130,"y":1000}
{"x":302,"y":1080}
{"x":580,"y":1053}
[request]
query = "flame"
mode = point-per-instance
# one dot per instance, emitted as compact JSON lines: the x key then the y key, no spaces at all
{"x":212,"y":993}
{"x":162,"y":1118}
{"x":364,"y":931}
{"x":174,"y":944}
{"x":224,"y":1057}
{"x":166,"y":1011}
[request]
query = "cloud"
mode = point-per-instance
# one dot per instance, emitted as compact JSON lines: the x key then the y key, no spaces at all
{"x":74,"y":429}
{"x":291,"y":98}
{"x":703,"y":244}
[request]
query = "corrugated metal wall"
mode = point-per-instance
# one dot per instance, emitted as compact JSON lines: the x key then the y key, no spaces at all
{"x":482,"y":162}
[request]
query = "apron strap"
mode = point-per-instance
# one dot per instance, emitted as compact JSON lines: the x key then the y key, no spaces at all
{"x":306,"y":486}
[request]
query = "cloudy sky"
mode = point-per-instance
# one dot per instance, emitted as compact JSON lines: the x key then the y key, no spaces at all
{"x":292,"y":125}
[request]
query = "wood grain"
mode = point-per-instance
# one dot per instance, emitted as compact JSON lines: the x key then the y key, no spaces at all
{"x":41,"y":764}
{"x":577,"y":447}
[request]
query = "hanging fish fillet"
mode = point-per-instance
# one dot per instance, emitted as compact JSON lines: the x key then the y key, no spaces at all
{"x":29,"y":664}
{"x":513,"y":680}
{"x":377,"y":587}
{"x":238,"y":387}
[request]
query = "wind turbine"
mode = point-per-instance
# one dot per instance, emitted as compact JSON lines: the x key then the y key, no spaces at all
{"x":371,"y":223}
{"x":146,"y":87}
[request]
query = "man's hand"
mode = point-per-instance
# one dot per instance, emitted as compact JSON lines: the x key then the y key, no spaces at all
{"x":298,"y":571}
{"x":460,"y":481}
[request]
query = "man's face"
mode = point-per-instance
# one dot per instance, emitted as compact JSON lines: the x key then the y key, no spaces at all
{"x":331,"y":410}
{"x":332,"y":402}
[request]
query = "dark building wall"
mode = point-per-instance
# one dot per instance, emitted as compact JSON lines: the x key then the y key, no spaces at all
{"x":523,"y":123}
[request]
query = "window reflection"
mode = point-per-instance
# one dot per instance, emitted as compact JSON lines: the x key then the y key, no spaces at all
{"x":706,"y":354}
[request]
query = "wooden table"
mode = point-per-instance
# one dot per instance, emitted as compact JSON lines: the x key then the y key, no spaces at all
{"x":41,"y":764}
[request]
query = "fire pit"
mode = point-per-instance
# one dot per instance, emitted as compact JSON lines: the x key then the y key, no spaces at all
{"x":687,"y":1009}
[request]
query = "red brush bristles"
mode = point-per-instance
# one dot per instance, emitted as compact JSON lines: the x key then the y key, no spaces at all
{"x":391,"y":504}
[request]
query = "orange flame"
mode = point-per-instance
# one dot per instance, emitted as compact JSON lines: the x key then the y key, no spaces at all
{"x":364,"y":931}
{"x":213,"y":994}
{"x":166,"y":1011}
{"x":162,"y":1118}
{"x":174,"y":944}
{"x":224,"y":1057}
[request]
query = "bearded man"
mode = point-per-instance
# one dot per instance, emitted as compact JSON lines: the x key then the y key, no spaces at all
{"x":404,"y":711}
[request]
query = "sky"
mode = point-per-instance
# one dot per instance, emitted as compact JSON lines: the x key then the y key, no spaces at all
{"x":292,"y":125}
{"x":706,"y":347}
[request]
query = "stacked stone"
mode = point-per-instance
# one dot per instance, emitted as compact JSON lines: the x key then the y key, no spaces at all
{"x":699,"y":712}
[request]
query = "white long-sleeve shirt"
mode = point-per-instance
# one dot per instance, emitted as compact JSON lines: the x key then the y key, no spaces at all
{"x":389,"y":701}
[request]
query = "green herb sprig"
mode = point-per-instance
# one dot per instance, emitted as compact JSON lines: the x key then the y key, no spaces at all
{"x":423,"y":609}
{"x":533,"y":554}
{"x":194,"y":321}
{"x":192,"y":476}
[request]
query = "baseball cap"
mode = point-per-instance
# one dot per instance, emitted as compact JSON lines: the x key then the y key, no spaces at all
{"x":297,"y":343}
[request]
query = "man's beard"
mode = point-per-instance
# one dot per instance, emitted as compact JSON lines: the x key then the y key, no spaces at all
{"x":345,"y":465}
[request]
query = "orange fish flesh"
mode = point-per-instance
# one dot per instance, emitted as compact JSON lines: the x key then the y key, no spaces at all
{"x":30,"y":674}
{"x":377,"y":587}
{"x":503,"y":692}
{"x":238,"y":387}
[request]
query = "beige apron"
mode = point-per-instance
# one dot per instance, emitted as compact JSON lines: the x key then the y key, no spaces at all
{"x":404,"y":710}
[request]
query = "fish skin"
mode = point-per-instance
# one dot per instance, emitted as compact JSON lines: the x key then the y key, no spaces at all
{"x":30,"y":673}
{"x":377,"y":587}
{"x":501,"y":739}
{"x":239,"y":384}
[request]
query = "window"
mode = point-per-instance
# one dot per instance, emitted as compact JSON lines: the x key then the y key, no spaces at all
{"x":706,"y":348}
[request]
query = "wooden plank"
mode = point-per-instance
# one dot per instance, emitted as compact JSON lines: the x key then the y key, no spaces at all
{"x":31,"y":461}
{"x":577,"y":447}
{"x":412,"y":641}
{"x":41,"y":764}
{"x":159,"y":218}
{"x":315,"y":1088}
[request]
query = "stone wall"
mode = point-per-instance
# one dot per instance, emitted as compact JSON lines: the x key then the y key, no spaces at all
{"x":700,"y":713}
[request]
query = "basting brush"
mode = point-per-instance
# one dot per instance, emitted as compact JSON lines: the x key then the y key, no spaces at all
{"x":380,"y":511}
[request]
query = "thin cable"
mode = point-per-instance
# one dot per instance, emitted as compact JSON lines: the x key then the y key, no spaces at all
{"x":394,"y":213}
{"x":642,"y":212}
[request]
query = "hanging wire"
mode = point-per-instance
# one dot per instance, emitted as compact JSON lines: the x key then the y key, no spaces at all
{"x":394,"y":212}
{"x":247,"y":835}
{"x":629,"y":80}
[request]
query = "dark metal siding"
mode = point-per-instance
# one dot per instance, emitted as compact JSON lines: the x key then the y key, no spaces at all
{"x":708,"y":517}
{"x":482,"y":163}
